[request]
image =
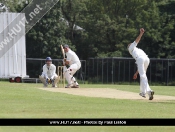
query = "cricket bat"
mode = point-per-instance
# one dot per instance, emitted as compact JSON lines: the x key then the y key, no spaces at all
{"x":64,"y":55}
{"x":62,"y":50}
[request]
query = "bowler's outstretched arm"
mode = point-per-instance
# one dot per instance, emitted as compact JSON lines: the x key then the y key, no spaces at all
{"x":140,"y":35}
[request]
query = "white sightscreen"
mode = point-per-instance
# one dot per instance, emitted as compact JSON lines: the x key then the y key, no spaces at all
{"x":13,"y":62}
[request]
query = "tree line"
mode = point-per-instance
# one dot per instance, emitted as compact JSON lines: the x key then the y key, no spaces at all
{"x":102,"y":28}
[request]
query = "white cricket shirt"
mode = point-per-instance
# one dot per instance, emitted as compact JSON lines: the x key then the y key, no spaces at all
{"x":73,"y":58}
{"x":136,"y":52}
{"x":49,"y":71}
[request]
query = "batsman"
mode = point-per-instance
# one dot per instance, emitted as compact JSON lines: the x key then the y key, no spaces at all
{"x":49,"y":75}
{"x":142,"y":62}
{"x":72,"y":65}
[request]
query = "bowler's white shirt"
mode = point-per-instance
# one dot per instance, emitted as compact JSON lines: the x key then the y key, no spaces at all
{"x":72,"y":58}
{"x":136,"y":52}
{"x":49,"y":71}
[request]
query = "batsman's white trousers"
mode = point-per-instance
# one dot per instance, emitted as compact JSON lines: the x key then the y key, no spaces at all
{"x":69,"y":72}
{"x":142,"y":65}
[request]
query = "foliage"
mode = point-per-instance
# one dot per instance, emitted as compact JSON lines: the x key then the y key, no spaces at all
{"x":100,"y":28}
{"x":45,"y":38}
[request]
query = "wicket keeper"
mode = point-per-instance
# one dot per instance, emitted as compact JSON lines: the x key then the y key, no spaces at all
{"x":49,"y":75}
{"x":72,"y":65}
{"x":142,"y":62}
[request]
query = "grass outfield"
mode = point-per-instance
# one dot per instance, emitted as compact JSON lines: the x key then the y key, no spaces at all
{"x":28,"y":101}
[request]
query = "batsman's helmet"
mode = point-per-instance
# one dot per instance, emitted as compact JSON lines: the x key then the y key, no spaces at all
{"x":48,"y":59}
{"x":65,"y":46}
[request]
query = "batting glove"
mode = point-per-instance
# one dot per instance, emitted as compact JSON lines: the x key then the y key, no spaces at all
{"x":52,"y":80}
{"x":47,"y":81}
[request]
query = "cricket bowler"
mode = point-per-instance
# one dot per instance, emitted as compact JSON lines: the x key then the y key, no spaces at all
{"x":49,"y":75}
{"x":142,"y":62}
{"x":72,"y":65}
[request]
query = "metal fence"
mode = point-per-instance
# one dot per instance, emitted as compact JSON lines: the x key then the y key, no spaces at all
{"x":35,"y":65}
{"x":113,"y":70}
{"x":121,"y":70}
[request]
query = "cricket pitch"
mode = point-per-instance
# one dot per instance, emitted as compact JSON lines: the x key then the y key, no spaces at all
{"x":108,"y":93}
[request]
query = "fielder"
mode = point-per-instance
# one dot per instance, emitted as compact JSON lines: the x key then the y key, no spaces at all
{"x":142,"y":62}
{"x":72,"y":65}
{"x":49,"y":75}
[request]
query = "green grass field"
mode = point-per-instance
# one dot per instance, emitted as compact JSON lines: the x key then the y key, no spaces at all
{"x":26,"y":100}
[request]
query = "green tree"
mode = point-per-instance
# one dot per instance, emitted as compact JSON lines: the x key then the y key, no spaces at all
{"x":168,"y":8}
{"x":102,"y":28}
{"x":74,"y":14}
{"x":45,"y":38}
{"x":157,"y":40}
{"x":14,"y":5}
{"x":112,"y":25}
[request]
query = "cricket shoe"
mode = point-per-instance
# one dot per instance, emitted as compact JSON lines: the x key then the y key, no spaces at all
{"x":75,"y":86}
{"x":151,"y":93}
{"x":143,"y":95}
{"x":68,"y":86}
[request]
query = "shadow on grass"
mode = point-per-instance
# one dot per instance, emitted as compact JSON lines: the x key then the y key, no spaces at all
{"x":165,"y":102}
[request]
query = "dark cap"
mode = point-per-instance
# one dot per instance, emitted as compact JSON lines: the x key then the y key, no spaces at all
{"x":65,"y":46}
{"x":48,"y":59}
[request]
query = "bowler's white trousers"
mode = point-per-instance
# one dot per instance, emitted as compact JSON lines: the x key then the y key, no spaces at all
{"x":69,"y":72}
{"x":142,"y":65}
